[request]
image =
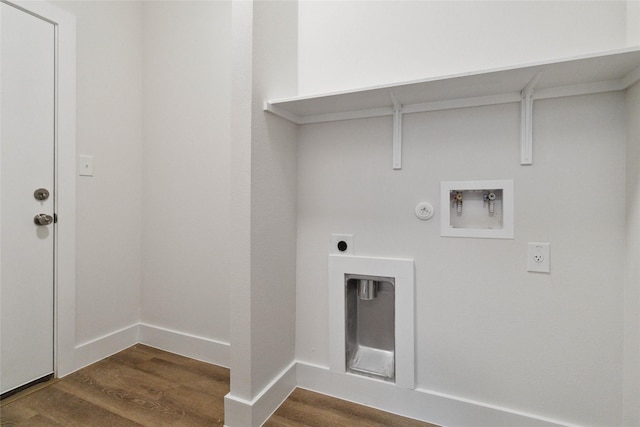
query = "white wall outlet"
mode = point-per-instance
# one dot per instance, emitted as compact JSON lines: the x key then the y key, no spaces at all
{"x":538,"y":257}
{"x":341,"y":244}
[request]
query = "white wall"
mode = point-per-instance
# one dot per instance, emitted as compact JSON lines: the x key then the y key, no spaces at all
{"x":273,"y":193}
{"x":632,"y":282}
{"x":186,"y":152}
{"x":240,"y":208}
{"x":551,"y":346}
{"x":264,"y":212}
{"x":153,"y":110}
{"x":348,"y":44}
{"x":633,"y":22}
{"x":486,"y":330}
{"x":109,"y":129}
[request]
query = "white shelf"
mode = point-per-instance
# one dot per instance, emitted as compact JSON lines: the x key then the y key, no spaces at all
{"x":605,"y":72}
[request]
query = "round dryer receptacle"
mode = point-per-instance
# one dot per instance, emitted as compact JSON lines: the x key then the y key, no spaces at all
{"x":342,"y":246}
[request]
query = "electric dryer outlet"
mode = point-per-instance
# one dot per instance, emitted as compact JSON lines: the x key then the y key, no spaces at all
{"x":341,"y":244}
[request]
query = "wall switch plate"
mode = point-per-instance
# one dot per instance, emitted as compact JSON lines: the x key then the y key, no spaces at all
{"x":341,"y":244}
{"x":538,"y":257}
{"x":85,"y":166}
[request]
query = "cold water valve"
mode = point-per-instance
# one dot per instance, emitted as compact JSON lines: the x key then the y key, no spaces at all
{"x":490,"y":199}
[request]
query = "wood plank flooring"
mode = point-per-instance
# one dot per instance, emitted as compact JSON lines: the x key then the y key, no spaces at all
{"x":143,"y":386}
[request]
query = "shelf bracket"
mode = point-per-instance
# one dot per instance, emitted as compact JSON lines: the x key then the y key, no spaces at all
{"x":526,"y":121}
{"x":397,"y":132}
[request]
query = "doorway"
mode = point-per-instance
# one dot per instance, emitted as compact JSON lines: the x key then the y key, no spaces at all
{"x":37,"y":187}
{"x":28,"y":198}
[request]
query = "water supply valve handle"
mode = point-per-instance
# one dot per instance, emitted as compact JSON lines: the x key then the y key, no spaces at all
{"x":490,"y":198}
{"x":457,"y":198}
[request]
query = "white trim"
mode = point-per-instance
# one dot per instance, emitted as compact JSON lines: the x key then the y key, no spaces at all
{"x":106,"y":345}
{"x":193,"y":346}
{"x":452,"y":104}
{"x":245,"y":413}
{"x":631,"y":78}
{"x":65,"y":268}
{"x":329,"y":117}
{"x":237,"y":412}
{"x":293,"y":118}
{"x":397,"y":138}
{"x":592,"y":88}
{"x":421,"y":404}
{"x":526,"y":120}
{"x":188,"y":345}
{"x":456,"y":103}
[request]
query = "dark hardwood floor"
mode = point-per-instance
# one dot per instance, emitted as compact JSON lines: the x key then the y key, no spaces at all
{"x":143,"y":386}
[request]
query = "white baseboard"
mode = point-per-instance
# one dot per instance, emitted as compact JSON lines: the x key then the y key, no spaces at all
{"x":242,"y":412}
{"x":193,"y":346}
{"x":418,"y":404}
{"x":104,"y":346}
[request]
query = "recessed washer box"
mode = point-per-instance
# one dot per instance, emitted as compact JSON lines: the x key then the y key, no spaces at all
{"x":399,"y":275}
{"x":480,"y":209}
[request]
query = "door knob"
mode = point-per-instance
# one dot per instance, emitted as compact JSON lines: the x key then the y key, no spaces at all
{"x":43,"y":219}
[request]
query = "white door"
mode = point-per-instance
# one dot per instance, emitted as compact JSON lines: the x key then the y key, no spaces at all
{"x":27,"y":126}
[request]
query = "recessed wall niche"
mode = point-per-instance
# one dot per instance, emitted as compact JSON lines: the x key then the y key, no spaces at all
{"x":481,"y":209}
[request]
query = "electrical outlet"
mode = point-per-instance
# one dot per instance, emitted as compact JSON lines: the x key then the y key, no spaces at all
{"x":538,"y":257}
{"x":341,"y":244}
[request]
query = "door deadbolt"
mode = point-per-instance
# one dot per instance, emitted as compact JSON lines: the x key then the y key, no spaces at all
{"x":43,"y":219}
{"x":41,"y":194}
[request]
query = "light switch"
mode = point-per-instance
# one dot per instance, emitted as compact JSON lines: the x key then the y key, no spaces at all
{"x":85,"y":166}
